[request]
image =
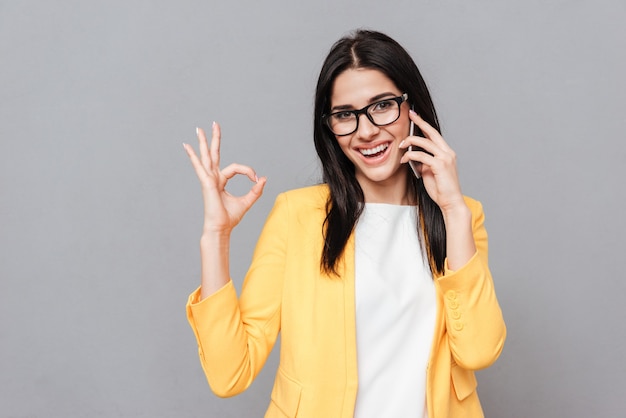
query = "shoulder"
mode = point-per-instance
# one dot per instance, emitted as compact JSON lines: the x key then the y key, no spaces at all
{"x":312,"y":197}
{"x":300,"y":209}
{"x":304,"y":202}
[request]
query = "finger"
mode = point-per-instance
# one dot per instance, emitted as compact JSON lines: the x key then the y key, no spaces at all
{"x":419,"y":156}
{"x":255,"y":192}
{"x":424,"y":126}
{"x":204,"y":148}
{"x":234,"y":169}
{"x":428,"y":130}
{"x":418,"y":143}
{"x":195,"y":162}
{"x":216,"y":138}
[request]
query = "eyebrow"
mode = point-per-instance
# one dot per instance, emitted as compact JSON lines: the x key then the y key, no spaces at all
{"x":372,"y":100}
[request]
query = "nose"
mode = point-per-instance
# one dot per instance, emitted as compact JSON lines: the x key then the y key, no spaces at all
{"x":366,"y":129}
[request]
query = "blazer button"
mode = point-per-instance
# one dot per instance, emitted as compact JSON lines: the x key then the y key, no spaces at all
{"x":453,"y":304}
{"x":458,"y":326}
{"x":451,"y":295}
{"x":455,"y":314}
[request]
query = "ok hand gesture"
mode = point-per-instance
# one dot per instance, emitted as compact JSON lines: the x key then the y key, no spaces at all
{"x":222,"y":211}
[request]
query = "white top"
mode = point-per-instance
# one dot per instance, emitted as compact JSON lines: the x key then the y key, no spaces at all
{"x":395,"y":313}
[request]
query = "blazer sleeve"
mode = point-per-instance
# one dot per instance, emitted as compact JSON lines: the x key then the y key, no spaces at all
{"x":474,"y":323}
{"x":235,"y":336}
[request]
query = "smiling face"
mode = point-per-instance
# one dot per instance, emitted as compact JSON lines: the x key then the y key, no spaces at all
{"x":373,"y":149}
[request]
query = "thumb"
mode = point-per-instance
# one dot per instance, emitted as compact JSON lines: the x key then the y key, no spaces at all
{"x":255,"y":192}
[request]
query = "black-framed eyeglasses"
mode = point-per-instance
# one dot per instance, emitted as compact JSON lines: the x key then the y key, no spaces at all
{"x":381,"y":113}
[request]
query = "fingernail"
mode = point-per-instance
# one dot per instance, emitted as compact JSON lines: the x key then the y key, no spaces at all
{"x":256,"y":178}
{"x":197,"y":131}
{"x":401,"y":143}
{"x":411,"y":111}
{"x":213,"y":124}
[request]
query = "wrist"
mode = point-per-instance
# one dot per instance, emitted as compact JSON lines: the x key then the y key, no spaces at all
{"x":460,"y":245}
{"x":215,"y":230}
{"x":457,"y":213}
{"x":215,"y":238}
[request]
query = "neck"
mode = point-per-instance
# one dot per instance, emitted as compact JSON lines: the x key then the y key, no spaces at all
{"x":393,"y":191}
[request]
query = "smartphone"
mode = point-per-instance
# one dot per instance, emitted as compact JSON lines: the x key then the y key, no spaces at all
{"x":414,"y":164}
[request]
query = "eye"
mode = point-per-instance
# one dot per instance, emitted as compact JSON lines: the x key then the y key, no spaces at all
{"x":342,"y":116}
{"x":383,"y":106}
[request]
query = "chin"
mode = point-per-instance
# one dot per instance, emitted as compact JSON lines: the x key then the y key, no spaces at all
{"x":380,"y":176}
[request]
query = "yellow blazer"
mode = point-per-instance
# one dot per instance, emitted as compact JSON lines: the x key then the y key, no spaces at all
{"x":317,"y":375}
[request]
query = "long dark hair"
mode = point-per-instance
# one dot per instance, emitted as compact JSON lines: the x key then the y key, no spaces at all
{"x":372,"y":50}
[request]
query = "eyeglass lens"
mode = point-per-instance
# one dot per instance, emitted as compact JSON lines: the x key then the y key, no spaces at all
{"x":380,"y":113}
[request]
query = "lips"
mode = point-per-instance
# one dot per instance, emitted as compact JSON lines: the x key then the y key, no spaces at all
{"x":375,"y":151}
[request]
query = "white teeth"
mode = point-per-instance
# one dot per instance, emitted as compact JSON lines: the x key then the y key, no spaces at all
{"x":373,"y":151}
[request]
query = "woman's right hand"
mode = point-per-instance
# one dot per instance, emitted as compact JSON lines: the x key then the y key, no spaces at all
{"x":222,"y":211}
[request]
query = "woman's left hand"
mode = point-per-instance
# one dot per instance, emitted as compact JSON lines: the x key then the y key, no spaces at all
{"x":439,"y":169}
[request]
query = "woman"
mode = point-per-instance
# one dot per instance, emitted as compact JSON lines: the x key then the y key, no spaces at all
{"x":377,"y":279}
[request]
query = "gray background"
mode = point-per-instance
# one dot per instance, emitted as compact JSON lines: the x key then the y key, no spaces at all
{"x":100,"y":211}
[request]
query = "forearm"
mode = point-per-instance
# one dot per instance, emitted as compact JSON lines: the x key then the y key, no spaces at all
{"x":460,"y":245}
{"x":223,"y":343}
{"x":214,"y":256}
{"x":475,"y":327}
